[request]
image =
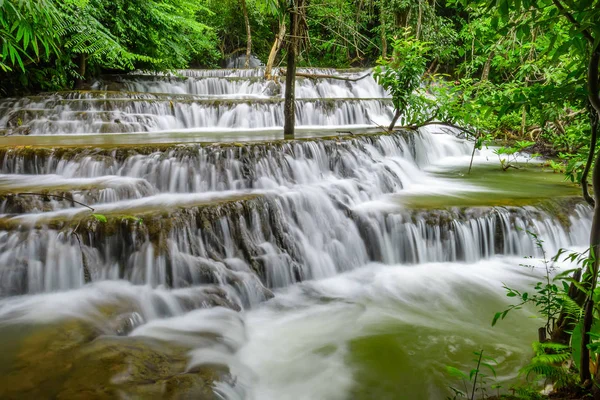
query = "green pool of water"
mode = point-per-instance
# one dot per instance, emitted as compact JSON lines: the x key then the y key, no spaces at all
{"x":495,"y":187}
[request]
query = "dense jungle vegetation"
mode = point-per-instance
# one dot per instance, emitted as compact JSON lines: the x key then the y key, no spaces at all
{"x":524,"y":72}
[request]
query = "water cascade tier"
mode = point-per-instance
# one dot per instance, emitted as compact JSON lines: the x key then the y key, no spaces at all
{"x":143,"y":103}
{"x":164,"y":259}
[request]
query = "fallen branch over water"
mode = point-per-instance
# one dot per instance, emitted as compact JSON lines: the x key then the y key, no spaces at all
{"x":325,"y":76}
{"x":430,"y":121}
{"x":446,"y":124}
{"x":56,"y":196}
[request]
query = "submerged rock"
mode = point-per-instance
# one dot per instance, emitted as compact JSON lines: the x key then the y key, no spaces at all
{"x":72,"y":360}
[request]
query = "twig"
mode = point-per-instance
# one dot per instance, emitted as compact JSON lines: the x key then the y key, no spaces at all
{"x":572,"y":20}
{"x":382,"y":127}
{"x":54,"y":195}
{"x":472,"y":155}
{"x":87,"y":277}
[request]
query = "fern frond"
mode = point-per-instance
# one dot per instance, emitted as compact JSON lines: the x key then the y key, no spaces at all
{"x":541,"y":348}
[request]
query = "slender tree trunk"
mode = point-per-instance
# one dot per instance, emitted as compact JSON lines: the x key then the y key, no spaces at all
{"x":594,"y":116}
{"x":523,"y":120}
{"x":248,"y":34}
{"x":275,"y":49}
{"x":419,"y":20}
{"x":384,"y":45}
{"x":289,"y":107}
{"x":487,"y":66}
{"x":432,"y":68}
{"x":588,"y":316}
{"x":395,"y":119}
{"x":82,"y":70}
{"x":593,"y":82}
{"x":565,"y":322}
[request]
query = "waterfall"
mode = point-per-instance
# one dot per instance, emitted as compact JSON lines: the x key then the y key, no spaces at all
{"x":154,"y":241}
{"x":260,"y":206}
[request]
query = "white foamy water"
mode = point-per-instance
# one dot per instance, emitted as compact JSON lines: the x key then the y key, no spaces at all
{"x":322,"y":340}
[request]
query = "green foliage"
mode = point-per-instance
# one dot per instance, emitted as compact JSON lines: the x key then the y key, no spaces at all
{"x":26,"y":32}
{"x":48,"y":44}
{"x":131,"y":218}
{"x":551,"y":363}
{"x":476,"y":381}
{"x":526,"y":392}
{"x":401,"y":75}
{"x":508,"y":155}
{"x":549,"y":297}
{"x":100,"y":217}
{"x":554,"y":362}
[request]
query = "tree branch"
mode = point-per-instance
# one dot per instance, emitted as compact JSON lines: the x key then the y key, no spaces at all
{"x":55,"y":195}
{"x":572,"y":20}
{"x":593,"y":82}
{"x":444,"y":123}
{"x":584,"y":177}
{"x":324,"y":76}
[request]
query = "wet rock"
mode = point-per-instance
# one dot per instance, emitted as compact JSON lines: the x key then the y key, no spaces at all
{"x":272,"y":89}
{"x":71,"y":360}
{"x":126,"y":322}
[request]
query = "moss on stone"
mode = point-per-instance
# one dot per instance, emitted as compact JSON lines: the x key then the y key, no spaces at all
{"x":71,"y":360}
{"x":122,"y":150}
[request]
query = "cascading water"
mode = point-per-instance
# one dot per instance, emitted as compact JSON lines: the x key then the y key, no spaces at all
{"x":260,"y":270}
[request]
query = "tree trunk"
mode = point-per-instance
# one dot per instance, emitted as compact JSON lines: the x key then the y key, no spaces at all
{"x":588,"y":316}
{"x":82,"y":70}
{"x":248,"y":34}
{"x":289,"y":108}
{"x":394,"y":120}
{"x":565,"y":322}
{"x":432,"y":68}
{"x":419,"y":21}
{"x":487,"y":66}
{"x":275,"y":49}
{"x":523,"y":120}
{"x":594,"y":116}
{"x":384,"y":44}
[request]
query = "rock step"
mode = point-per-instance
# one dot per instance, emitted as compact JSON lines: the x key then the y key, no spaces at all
{"x":42,"y":193}
{"x":128,"y":115}
{"x":52,"y":100}
{"x":160,"y":205}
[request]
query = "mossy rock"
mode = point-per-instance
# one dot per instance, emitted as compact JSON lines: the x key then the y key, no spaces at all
{"x":72,"y":360}
{"x":31,"y":149}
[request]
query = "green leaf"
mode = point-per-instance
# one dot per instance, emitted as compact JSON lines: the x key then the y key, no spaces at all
{"x":496,"y":317}
{"x":100,"y":217}
{"x":455,"y":372}
{"x":472,"y":373}
{"x":490,"y":367}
